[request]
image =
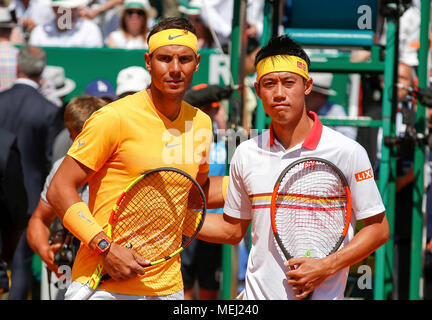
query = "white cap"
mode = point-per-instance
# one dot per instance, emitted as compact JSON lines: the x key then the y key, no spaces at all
{"x":132,"y":79}
{"x":66,"y":3}
{"x":192,"y":7}
{"x":141,"y":4}
{"x":322,"y":82}
{"x":6,"y":18}
{"x":56,"y":75}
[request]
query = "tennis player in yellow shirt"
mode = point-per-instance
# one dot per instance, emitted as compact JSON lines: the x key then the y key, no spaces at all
{"x":152,"y":128}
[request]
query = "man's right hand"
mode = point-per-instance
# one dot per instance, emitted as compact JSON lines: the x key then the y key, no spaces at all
{"x":122,"y":263}
{"x":47,"y":253}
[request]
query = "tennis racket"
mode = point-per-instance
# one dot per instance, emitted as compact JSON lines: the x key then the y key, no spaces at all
{"x":310,"y":209}
{"x":158,"y":216}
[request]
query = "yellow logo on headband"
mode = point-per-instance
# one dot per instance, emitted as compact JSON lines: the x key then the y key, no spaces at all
{"x":280,"y":63}
{"x":173,"y":36}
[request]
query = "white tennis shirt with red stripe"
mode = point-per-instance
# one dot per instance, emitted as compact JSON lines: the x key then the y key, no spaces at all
{"x":254,"y":169}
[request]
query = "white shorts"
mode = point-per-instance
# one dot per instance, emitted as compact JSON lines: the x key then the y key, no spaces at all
{"x":105,"y":295}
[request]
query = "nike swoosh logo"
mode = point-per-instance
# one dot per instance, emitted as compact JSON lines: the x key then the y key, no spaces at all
{"x":80,"y":144}
{"x":169,"y":146}
{"x":173,"y":37}
{"x":82,"y":216}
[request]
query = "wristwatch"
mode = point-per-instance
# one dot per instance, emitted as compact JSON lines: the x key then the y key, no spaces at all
{"x":103,"y":244}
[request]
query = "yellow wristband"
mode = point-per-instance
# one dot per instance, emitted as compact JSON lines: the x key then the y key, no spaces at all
{"x":225,"y":182}
{"x":79,"y":220}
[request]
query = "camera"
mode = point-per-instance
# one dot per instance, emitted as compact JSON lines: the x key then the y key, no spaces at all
{"x":70,"y":244}
{"x":64,"y":256}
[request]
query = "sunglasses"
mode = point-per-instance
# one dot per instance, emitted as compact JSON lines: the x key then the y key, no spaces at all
{"x":138,"y":12}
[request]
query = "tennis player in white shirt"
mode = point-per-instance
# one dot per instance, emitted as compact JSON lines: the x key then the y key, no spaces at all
{"x":282,"y":84}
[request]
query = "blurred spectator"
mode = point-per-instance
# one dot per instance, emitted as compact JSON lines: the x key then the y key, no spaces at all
{"x":167,"y":8}
{"x":317,"y":101}
{"x":57,"y":86}
{"x":8,"y":61}
{"x":35,"y":121}
{"x":218,"y":15}
{"x":192,"y":11}
{"x":405,"y":118}
{"x":13,"y":203}
{"x":98,"y":88}
{"x":54,"y":84}
{"x":30,"y":13}
{"x":101,"y":88}
{"x":409,"y":35}
{"x":56,"y":74}
{"x":8,"y":51}
{"x":67,"y":29}
{"x":131,"y":80}
{"x":136,"y":18}
{"x":371,"y":139}
{"x":105,"y":13}
{"x":7,"y":16}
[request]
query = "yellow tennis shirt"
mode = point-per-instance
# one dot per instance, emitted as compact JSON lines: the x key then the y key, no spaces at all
{"x":119,"y":142}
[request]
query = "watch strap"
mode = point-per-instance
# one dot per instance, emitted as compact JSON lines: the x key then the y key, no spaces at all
{"x":103,"y":244}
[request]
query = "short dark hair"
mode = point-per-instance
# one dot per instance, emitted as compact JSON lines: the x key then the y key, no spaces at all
{"x":172,"y":23}
{"x":282,"y":45}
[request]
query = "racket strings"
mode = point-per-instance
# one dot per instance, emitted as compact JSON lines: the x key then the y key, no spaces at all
{"x":310,"y":210}
{"x":154,"y":214}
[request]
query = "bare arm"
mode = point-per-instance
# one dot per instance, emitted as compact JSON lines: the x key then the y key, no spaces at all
{"x":38,"y":234}
{"x":221,"y":228}
{"x":311,"y":272}
{"x":212,"y":187}
{"x":217,"y":227}
{"x":62,"y":192}
{"x":121,"y":263}
{"x":91,"y":13}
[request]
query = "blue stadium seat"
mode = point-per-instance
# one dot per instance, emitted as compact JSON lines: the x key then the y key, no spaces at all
{"x":331,"y":22}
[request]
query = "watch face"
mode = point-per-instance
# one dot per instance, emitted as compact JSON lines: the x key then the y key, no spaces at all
{"x":103,"y":244}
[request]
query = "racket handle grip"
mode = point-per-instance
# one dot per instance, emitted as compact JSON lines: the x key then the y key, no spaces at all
{"x":105,"y":277}
{"x":83,"y":293}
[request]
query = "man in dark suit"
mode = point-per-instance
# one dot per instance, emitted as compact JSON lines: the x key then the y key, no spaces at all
{"x":36,"y":122}
{"x":13,"y":202}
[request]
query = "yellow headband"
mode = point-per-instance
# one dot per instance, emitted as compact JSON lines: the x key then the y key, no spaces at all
{"x":280,"y":63}
{"x":173,"y":36}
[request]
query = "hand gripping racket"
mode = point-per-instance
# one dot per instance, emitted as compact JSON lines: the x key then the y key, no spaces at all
{"x":310,"y":209}
{"x":158,"y":215}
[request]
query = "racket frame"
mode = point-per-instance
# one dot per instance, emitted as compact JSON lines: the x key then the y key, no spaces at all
{"x":273,"y":204}
{"x":96,"y":277}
